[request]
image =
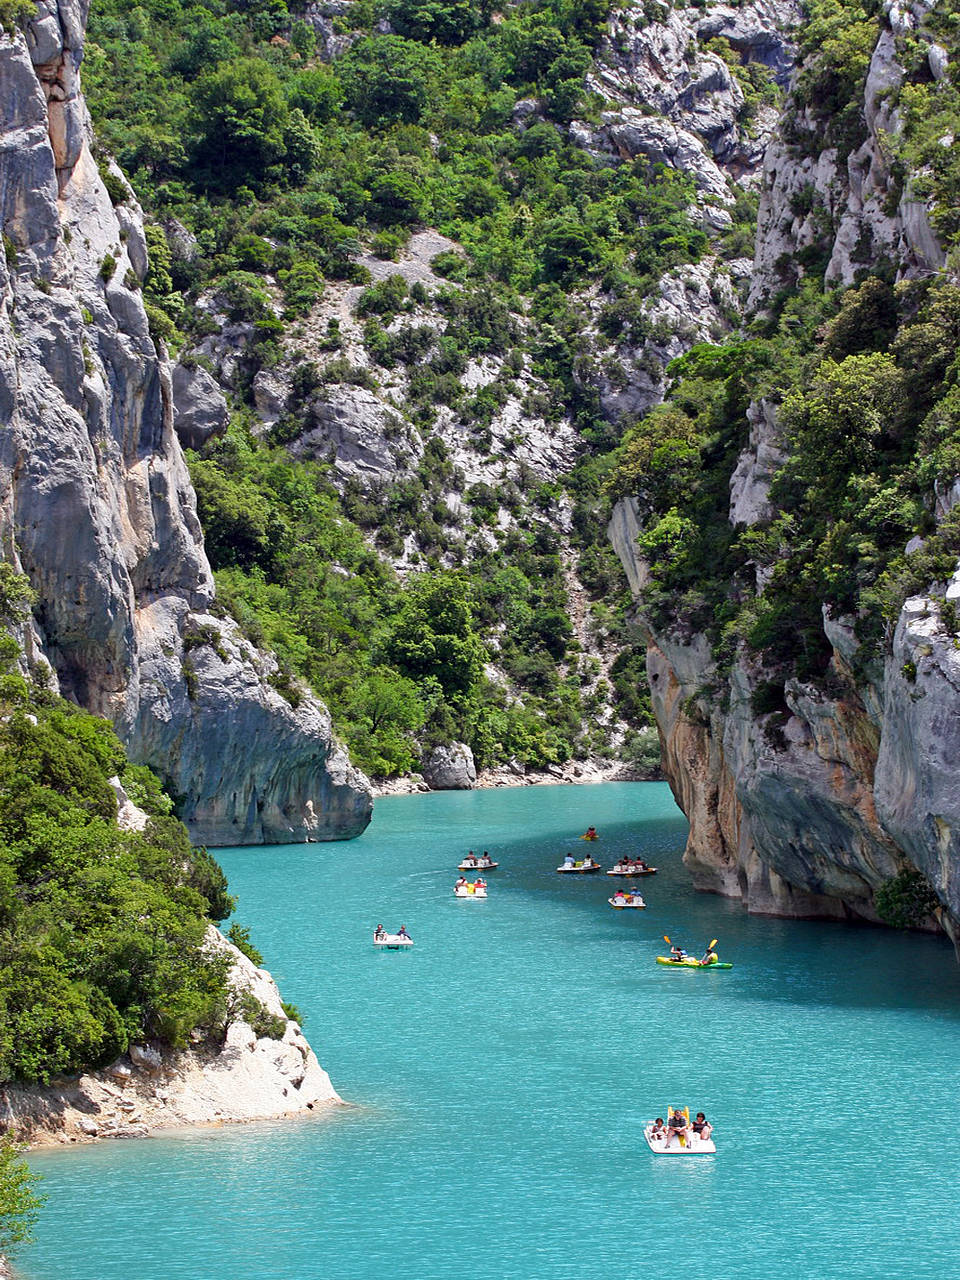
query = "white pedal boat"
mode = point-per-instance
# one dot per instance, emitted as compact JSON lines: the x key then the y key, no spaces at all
{"x":467,"y":865}
{"x":621,"y":900}
{"x":583,"y":867}
{"x":628,"y":869}
{"x":469,"y":890}
{"x":393,"y":941}
{"x":694,"y":1145}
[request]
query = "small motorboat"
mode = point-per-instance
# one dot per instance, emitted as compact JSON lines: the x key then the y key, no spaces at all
{"x":628,"y":868}
{"x":690,"y":962}
{"x":581,"y":866}
{"x":470,"y":889}
{"x":621,"y":900}
{"x":392,"y":941}
{"x":690,"y":1145}
{"x":478,"y":864}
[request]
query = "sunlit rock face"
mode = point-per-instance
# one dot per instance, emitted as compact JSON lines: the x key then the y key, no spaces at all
{"x":97,"y":507}
{"x":856,"y":778}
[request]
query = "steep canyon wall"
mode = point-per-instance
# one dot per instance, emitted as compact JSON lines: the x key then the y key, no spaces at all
{"x":96,"y":505}
{"x":860,"y":781}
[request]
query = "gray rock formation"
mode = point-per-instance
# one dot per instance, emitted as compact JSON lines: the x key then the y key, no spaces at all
{"x":857,"y":199}
{"x":809,"y":811}
{"x":450,"y":768}
{"x":199,"y":407}
{"x":97,"y":507}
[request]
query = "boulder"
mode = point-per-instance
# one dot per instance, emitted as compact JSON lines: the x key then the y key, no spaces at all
{"x":145,"y":1057}
{"x":199,"y":408}
{"x":450,"y":768}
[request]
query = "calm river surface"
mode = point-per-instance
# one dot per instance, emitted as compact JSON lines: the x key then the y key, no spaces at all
{"x":503,"y":1068}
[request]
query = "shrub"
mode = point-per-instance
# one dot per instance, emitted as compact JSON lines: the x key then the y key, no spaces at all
{"x":906,"y":899}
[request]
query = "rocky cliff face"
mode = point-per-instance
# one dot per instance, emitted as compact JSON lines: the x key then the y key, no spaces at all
{"x":96,"y":504}
{"x":859,"y":781}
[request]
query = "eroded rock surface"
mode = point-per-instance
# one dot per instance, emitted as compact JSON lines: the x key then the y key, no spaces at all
{"x":96,"y":499}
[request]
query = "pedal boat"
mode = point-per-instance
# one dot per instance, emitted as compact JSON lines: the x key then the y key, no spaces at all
{"x":691,"y":962}
{"x":621,"y":900}
{"x":624,"y":869}
{"x":694,"y":1146}
{"x":583,"y":867}
{"x":467,"y":865}
{"x":470,"y":890}
{"x":393,"y":942}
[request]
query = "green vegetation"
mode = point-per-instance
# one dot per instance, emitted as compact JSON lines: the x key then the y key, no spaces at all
{"x":101,"y":930}
{"x":400,"y":665}
{"x":906,"y":900}
{"x":869,"y":434}
{"x":20,"y":1202}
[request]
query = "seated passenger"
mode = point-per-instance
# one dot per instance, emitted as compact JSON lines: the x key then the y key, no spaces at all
{"x":402,"y":932}
{"x":379,"y":932}
{"x":569,"y":861}
{"x":658,"y":1133}
{"x":702,"y":1127}
{"x":677,"y":1125}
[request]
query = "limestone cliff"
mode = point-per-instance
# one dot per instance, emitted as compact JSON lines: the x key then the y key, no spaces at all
{"x":856,"y":779}
{"x":97,"y":507}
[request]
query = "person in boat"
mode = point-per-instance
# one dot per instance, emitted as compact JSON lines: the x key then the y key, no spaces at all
{"x":486,"y":859}
{"x":677,"y":952}
{"x":702,"y":1127}
{"x":658,"y":1133}
{"x":709,"y":957}
{"x":641,"y":865}
{"x":379,"y":933}
{"x":479,"y":883}
{"x":677,"y":1125}
{"x":462,"y":881}
{"x":402,"y":932}
{"x":590,"y":833}
{"x":569,"y":860}
{"x":471,"y":858}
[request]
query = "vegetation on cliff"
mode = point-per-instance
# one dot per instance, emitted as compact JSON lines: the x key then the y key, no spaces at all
{"x":101,"y":929}
{"x":864,"y":386}
{"x":282,"y":163}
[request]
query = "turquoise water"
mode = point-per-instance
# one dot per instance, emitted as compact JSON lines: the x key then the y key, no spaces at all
{"x":503,"y":1068}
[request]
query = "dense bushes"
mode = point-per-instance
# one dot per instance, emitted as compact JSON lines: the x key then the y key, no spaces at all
{"x":101,"y":931}
{"x":869,"y":416}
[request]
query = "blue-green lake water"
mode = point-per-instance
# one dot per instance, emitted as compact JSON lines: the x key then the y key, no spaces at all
{"x":502,"y":1070}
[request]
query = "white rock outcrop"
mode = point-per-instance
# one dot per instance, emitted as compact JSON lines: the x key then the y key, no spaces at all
{"x":245,"y":1078}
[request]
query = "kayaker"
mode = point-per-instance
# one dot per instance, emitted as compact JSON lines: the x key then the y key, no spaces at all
{"x":710,"y":957}
{"x":590,"y":833}
{"x":677,"y":952}
{"x":702,"y":1127}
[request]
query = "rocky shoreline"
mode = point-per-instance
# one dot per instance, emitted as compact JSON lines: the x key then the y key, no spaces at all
{"x":573,"y":773}
{"x":249,"y":1077}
